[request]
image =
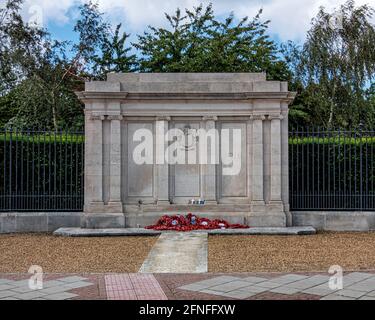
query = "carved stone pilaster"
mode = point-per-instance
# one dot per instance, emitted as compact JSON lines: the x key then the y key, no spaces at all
{"x":208,"y":172}
{"x":97,"y":117}
{"x":275,"y":147}
{"x":163,"y":118}
{"x":275,"y":117}
{"x":258,"y":161}
{"x":259,"y":117}
{"x":162,"y":167}
{"x":210,"y":118}
{"x":115,"y":117}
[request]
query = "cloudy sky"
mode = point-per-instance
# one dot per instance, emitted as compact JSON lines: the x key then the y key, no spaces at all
{"x":290,"y":19}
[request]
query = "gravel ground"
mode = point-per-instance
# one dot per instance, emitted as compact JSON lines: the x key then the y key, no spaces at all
{"x":352,"y":251}
{"x":73,"y":255}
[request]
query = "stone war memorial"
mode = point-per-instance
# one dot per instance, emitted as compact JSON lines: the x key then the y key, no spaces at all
{"x":215,"y":145}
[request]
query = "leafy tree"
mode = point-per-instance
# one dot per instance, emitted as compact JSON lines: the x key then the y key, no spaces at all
{"x":198,"y":42}
{"x":93,"y":31}
{"x":113,"y":56}
{"x":38,"y":77}
{"x":22,"y":49}
{"x":335,"y":66}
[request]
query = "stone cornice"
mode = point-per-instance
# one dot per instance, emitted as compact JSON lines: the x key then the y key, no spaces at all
{"x":88,"y":96}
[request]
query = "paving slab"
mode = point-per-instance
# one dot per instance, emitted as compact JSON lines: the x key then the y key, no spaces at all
{"x":22,"y":289}
{"x":269,"y":284}
{"x":212,"y":292}
{"x":78,"y":284}
{"x":53,"y":283}
{"x":365,"y":285}
{"x":205,"y":284}
{"x":350,"y":293}
{"x":254,"y":279}
{"x":178,"y":253}
{"x":285,"y":290}
{"x":31,"y":295}
{"x":254,"y":289}
{"x":310,"y":282}
{"x":72,"y":279}
{"x":80,"y":232}
{"x":356,"y":277}
{"x":61,"y":296}
{"x":371,"y":294}
{"x":230,"y":286}
{"x":319,"y":291}
{"x":6,"y":287}
{"x":238,"y":294}
{"x":367,"y":298}
{"x":56,"y":289}
{"x":336,"y":297}
{"x":6,"y":294}
{"x":289,"y":278}
{"x":21,"y":283}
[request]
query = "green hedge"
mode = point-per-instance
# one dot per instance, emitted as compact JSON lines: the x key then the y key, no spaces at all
{"x":331,"y":140}
{"x":47,"y":138}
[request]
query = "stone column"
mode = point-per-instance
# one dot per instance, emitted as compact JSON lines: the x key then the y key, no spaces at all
{"x":209,"y":169}
{"x":162,"y":166}
{"x":275,"y":194}
{"x":258,"y":202}
{"x":94,"y":162}
{"x":115,"y":163}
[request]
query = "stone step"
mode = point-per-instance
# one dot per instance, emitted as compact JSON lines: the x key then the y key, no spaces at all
{"x":79,"y":232}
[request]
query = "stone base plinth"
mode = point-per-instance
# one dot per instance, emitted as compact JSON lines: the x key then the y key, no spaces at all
{"x":103,"y":221}
{"x":267,"y":219}
{"x":257,"y":214}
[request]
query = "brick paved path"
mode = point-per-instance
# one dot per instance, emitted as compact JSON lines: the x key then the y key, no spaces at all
{"x":357,"y":285}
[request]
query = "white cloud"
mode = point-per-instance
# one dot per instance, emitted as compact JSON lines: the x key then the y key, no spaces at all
{"x":290,"y":19}
{"x":56,"y":10}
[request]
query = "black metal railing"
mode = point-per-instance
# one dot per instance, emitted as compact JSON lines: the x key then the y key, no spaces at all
{"x":41,"y":170}
{"x":329,"y":170}
{"x":332,"y":169}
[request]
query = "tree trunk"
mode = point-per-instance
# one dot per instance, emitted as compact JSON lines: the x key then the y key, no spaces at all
{"x":332,"y":108}
{"x":54,"y":111}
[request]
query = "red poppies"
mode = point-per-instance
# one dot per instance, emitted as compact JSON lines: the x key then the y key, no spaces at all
{"x":192,"y":222}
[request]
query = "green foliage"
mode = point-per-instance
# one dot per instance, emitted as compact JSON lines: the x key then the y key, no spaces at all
{"x":24,"y":49}
{"x":92,"y":30}
{"x":334,"y":141}
{"x":114,"y":56}
{"x":198,"y":42}
{"x":48,"y":138}
{"x":332,"y":71}
{"x":335,"y":66}
{"x":37,"y":89}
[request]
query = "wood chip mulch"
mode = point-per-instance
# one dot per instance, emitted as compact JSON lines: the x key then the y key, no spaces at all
{"x":73,"y":255}
{"x":352,"y":251}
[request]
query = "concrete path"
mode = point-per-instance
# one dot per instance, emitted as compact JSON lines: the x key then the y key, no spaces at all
{"x":178,"y":253}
